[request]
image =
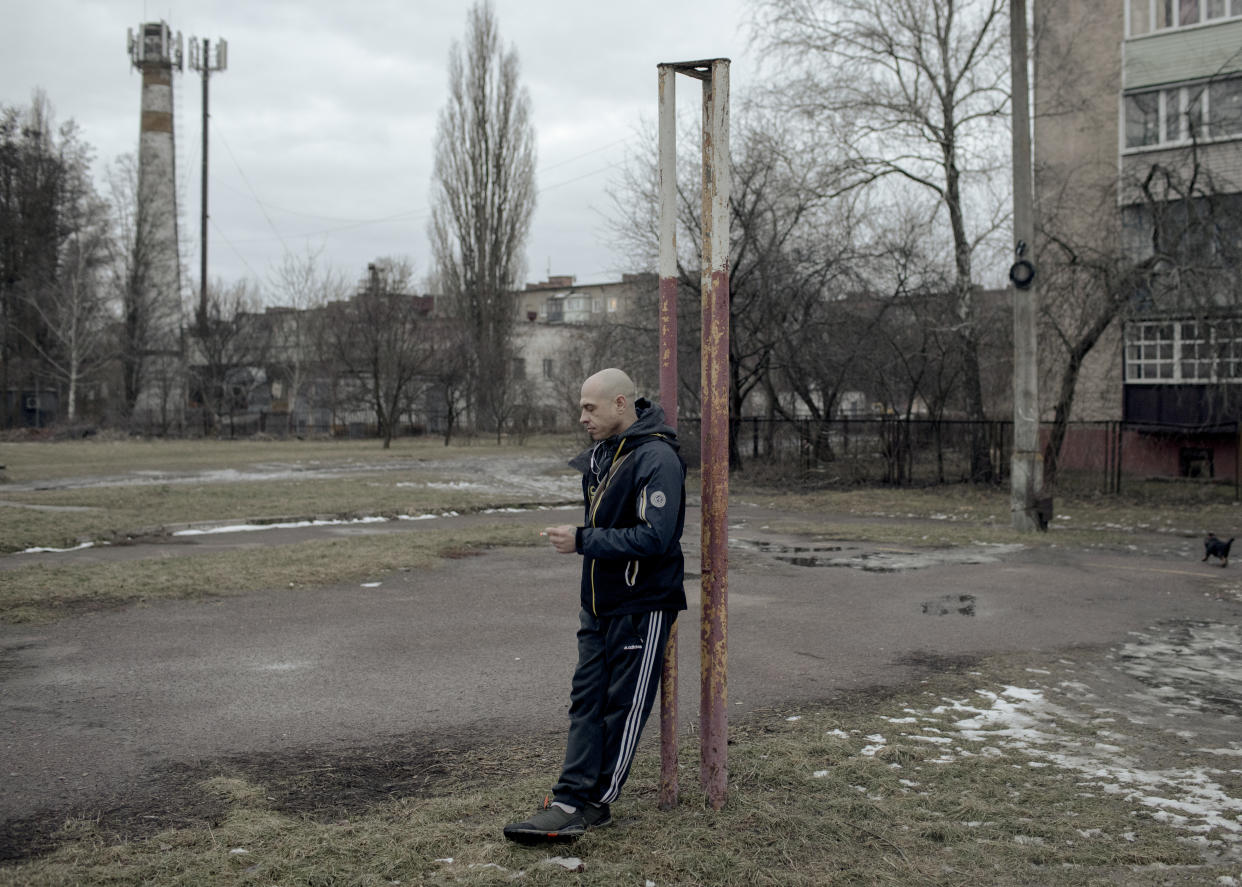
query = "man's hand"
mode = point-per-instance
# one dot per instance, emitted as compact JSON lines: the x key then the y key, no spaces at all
{"x":563,"y":538}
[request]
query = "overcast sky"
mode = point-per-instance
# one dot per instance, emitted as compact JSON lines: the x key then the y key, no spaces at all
{"x":322,"y":127}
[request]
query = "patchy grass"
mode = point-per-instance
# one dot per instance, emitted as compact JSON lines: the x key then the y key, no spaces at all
{"x":832,"y":795}
{"x":117,"y":513}
{"x":46,"y":460}
{"x":39,"y":593}
{"x":1166,"y":514}
{"x":396,"y":481}
{"x":412,"y":478}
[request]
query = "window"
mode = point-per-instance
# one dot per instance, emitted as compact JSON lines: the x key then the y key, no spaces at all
{"x":612,"y":304}
{"x":1149,"y":352}
{"x":1172,"y":116}
{"x":547,"y":368}
{"x":1229,"y":349}
{"x":1196,"y":351}
{"x":519,"y":368}
{"x":1182,"y":114}
{"x":1186,"y":351}
{"x":1146,"y":16}
{"x":1225,"y":102}
{"x":1142,"y":119}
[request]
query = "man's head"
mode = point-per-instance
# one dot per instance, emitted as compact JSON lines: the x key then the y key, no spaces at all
{"x":607,"y":404}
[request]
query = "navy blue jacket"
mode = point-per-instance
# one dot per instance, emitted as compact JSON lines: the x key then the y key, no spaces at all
{"x":634,"y":486}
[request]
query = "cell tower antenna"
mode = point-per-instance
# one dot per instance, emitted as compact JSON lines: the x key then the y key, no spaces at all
{"x":203,"y":60}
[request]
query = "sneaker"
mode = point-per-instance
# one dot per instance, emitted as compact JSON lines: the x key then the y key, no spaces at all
{"x":596,"y":816}
{"x":550,"y":823}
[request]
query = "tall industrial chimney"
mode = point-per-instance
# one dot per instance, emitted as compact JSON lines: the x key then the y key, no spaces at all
{"x":156,"y":286}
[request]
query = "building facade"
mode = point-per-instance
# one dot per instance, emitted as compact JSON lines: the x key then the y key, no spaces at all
{"x":1138,"y":163}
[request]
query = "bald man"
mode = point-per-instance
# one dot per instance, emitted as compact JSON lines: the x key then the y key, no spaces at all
{"x":634,"y":488}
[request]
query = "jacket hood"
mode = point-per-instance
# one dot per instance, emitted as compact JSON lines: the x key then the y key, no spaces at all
{"x":650,"y":423}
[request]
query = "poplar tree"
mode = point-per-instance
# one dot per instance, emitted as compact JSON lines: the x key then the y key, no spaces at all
{"x":483,"y":197}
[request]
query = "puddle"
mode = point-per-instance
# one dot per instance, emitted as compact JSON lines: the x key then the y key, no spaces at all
{"x":776,"y":548}
{"x":874,"y":561}
{"x":950,"y":604}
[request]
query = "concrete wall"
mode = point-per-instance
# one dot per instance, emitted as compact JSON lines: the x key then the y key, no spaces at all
{"x":1078,"y":70}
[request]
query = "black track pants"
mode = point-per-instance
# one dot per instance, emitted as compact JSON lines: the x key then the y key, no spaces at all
{"x":619,"y":663}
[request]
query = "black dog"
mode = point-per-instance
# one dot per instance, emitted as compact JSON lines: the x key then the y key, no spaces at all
{"x":1214,"y":547}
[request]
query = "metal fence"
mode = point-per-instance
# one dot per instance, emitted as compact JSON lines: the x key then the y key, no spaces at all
{"x":864,"y":451}
{"x":1103,"y":456}
{"x":916,"y":452}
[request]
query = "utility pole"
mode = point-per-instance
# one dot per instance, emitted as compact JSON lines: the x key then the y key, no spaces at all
{"x":201,"y":61}
{"x":1026,"y":463}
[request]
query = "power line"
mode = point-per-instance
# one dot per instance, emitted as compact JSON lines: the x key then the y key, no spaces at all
{"x":235,"y":250}
{"x":310,"y":215}
{"x":253,"y":193}
{"x":587,"y":153}
{"x":585,"y":175}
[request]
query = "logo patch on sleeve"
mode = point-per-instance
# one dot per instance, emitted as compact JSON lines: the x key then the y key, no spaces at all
{"x":658,"y":499}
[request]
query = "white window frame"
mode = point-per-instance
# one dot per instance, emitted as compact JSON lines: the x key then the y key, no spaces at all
{"x":1181,"y":352}
{"x":1232,"y":9}
{"x":1177,"y":100}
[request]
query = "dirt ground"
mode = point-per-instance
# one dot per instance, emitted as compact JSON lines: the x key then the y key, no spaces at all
{"x":414,"y":682}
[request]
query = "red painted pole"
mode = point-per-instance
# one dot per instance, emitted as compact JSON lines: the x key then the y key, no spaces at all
{"x":668,"y":397}
{"x":713,"y":707}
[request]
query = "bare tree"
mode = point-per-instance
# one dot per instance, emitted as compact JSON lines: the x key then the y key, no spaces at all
{"x":72,"y":306}
{"x":52,"y":232}
{"x":787,"y":246}
{"x":232,"y":342}
{"x":384,"y":342}
{"x":483,"y":197}
{"x":449,"y":368}
{"x":302,"y":287}
{"x":149,"y":318}
{"x":914,"y":92}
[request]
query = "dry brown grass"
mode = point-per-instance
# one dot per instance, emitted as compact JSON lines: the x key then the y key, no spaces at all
{"x":806,"y":807}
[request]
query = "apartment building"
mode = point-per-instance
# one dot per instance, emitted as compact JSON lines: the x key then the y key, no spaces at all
{"x":1138,"y":154}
